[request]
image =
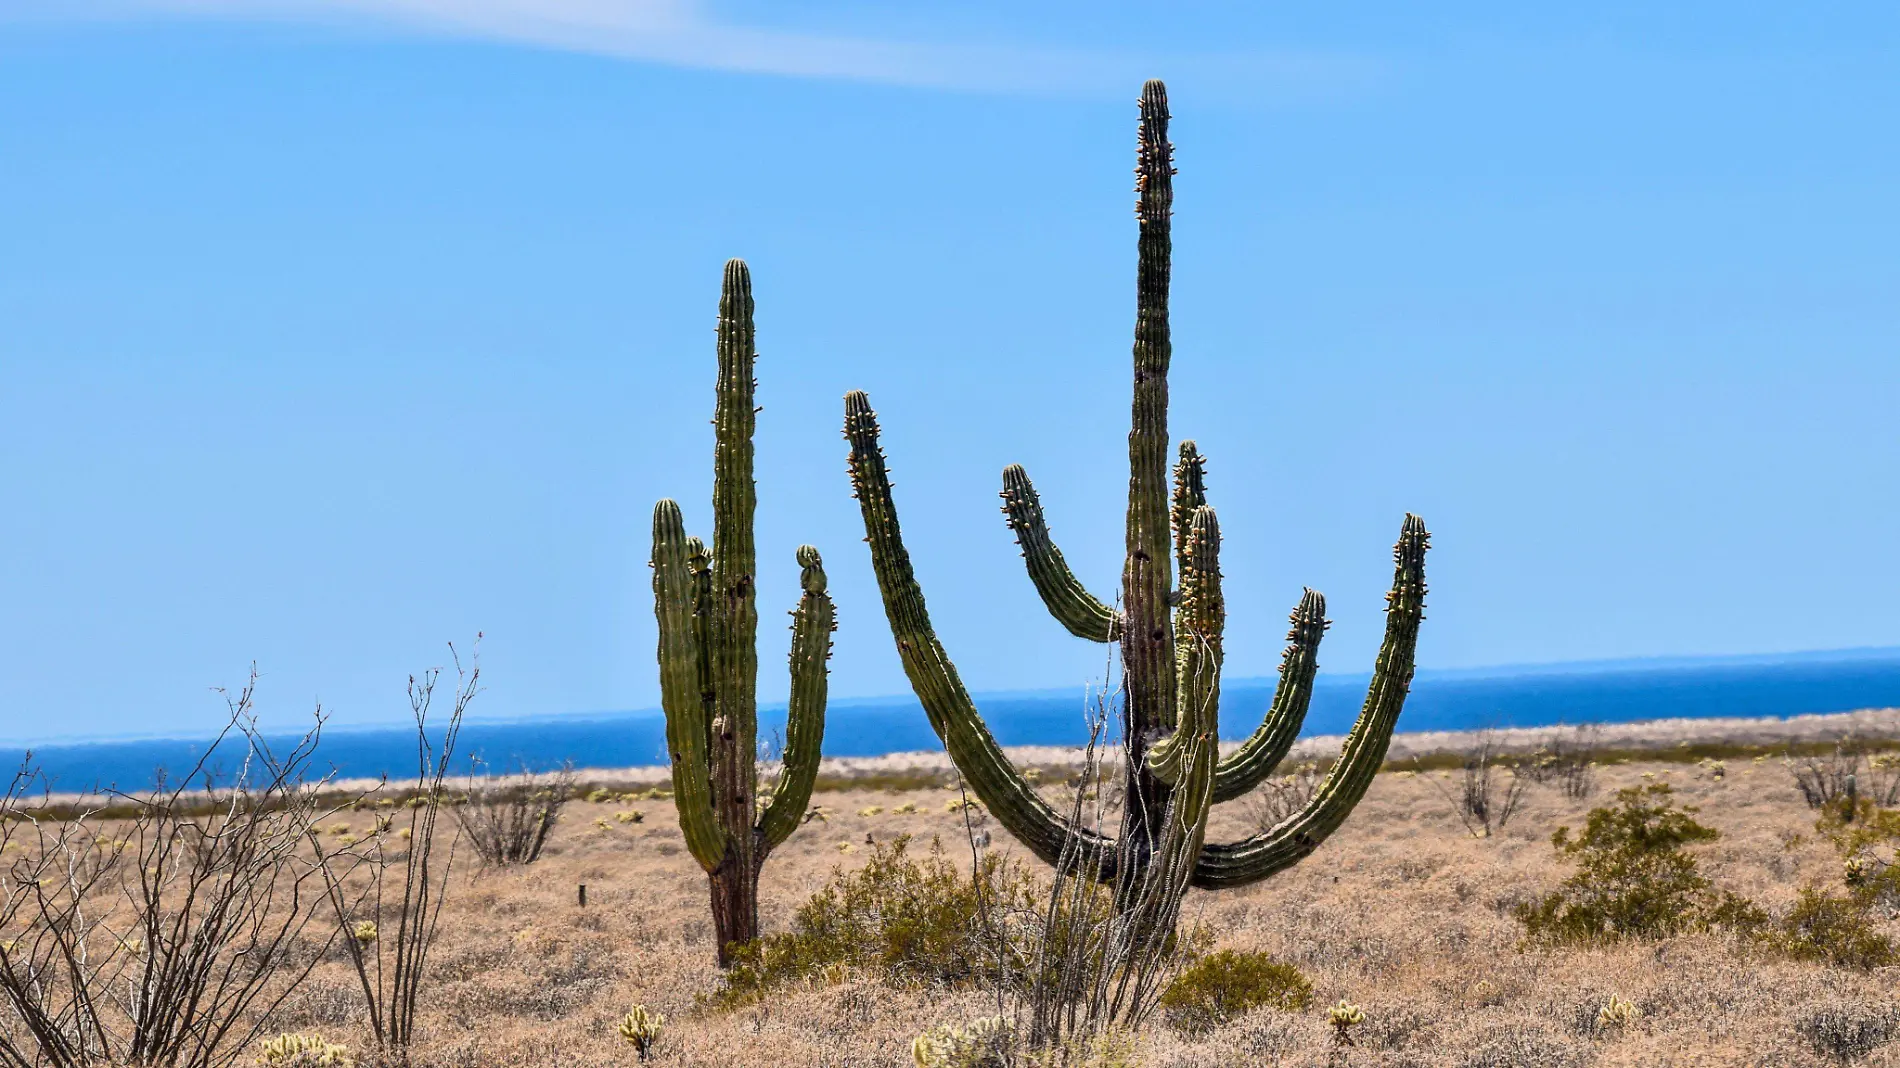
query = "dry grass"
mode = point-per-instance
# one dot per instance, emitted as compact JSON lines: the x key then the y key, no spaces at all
{"x":1402,"y":912}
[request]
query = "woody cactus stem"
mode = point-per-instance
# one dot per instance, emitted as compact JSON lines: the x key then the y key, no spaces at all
{"x":1171,"y":641}
{"x":708,"y":622}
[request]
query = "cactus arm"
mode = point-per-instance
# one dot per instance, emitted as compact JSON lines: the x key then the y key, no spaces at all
{"x":1186,"y":759}
{"x":1197,"y":641}
{"x":687,"y":715}
{"x":1257,"y":857}
{"x":934,"y":678}
{"x":733,"y":615}
{"x":812,"y":624}
{"x":1068,"y":600}
{"x":1190,"y":492}
{"x":1245,"y":767}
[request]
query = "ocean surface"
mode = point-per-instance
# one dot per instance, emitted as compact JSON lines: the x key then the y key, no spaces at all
{"x":1610,"y":692}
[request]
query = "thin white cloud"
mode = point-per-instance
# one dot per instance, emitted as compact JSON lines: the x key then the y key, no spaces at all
{"x":684,"y":33}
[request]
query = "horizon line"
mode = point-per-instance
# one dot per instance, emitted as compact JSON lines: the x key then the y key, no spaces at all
{"x":1611,"y":665}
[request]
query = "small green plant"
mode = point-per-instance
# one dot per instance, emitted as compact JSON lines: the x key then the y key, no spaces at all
{"x":985,"y":1043}
{"x":1635,"y":877}
{"x":641,"y":1030}
{"x":1224,"y":986}
{"x":1618,"y":1012}
{"x":304,"y":1051}
{"x":909,"y":919}
{"x":1344,"y":1017}
{"x":364,"y":932}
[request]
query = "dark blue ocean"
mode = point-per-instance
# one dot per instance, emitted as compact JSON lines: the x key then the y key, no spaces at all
{"x":1529,"y":697}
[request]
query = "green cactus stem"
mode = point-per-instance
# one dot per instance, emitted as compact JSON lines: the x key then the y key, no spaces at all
{"x":705,"y":603}
{"x":1255,"y":759}
{"x":1067,"y":599}
{"x":1171,"y":641}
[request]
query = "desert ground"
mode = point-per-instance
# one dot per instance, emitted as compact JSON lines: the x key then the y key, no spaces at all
{"x":1402,"y":911}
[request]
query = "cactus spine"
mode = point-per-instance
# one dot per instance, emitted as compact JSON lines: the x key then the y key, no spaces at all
{"x":708,"y":616}
{"x":1170,"y":640}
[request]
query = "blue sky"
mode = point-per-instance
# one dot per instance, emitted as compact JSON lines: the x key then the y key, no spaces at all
{"x":332,"y":330}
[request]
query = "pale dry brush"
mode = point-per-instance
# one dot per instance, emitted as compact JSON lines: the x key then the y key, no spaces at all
{"x":163,"y":927}
{"x":510,"y":823}
{"x":388,"y":895}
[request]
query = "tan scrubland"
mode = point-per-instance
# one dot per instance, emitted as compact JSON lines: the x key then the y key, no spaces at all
{"x":1402,"y":911}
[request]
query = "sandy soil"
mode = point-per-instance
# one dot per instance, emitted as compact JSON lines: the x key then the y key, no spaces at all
{"x":1402,"y":911}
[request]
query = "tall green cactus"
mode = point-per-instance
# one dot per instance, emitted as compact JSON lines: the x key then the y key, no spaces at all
{"x":1171,"y":640}
{"x":709,"y":620}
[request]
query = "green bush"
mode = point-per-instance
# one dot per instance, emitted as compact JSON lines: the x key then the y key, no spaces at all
{"x":1833,"y":929}
{"x":1634,"y":877}
{"x":1224,"y":986}
{"x":916,"y":920}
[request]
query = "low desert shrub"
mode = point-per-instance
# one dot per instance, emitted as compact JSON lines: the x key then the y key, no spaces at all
{"x":1848,"y":1030}
{"x":509,"y":824}
{"x":906,"y":918}
{"x":1512,"y":1046}
{"x":1491,"y":790}
{"x":1834,"y":929}
{"x":1223,"y":986}
{"x":985,"y":1043}
{"x":1568,"y":763}
{"x":1848,"y":772}
{"x":1634,"y":877}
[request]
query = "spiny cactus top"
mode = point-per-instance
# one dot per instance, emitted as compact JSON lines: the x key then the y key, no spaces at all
{"x":1170,"y":637}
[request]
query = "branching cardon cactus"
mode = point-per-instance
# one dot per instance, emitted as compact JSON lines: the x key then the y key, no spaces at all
{"x":709,"y":620}
{"x":1170,"y":638}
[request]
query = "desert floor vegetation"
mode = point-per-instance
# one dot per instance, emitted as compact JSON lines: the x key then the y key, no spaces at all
{"x":1404,"y":916}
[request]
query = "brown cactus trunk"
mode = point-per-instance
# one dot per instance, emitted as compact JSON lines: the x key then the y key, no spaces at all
{"x":735,"y":905}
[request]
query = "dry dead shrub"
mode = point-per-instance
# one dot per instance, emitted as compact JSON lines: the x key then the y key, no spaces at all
{"x":1848,"y":1029}
{"x":1567,"y":762}
{"x":1398,"y":1027}
{"x":389,"y":923}
{"x":1282,"y":797}
{"x":510,"y":823}
{"x":1847,"y":772}
{"x":1490,"y":789}
{"x":1525,"y":1045}
{"x":324,"y":1003}
{"x":167,"y":928}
